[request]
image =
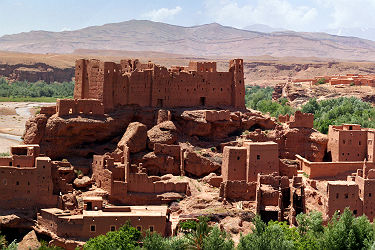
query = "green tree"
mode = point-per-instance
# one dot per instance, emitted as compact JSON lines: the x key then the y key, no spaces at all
{"x":125,"y":238}
{"x":217,"y":240}
{"x":347,"y":232}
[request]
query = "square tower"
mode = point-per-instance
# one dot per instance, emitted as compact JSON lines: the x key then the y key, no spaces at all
{"x":234,"y":163}
{"x":262,"y":157}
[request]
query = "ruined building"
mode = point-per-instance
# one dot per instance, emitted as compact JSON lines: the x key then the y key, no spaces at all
{"x":102,"y":86}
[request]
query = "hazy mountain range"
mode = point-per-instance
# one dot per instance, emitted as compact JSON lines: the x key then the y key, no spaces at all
{"x":209,"y":40}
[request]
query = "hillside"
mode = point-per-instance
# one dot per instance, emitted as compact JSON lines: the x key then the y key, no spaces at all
{"x":212,"y":40}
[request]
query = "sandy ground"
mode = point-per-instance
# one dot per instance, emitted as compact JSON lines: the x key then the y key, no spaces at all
{"x":13,"y":116}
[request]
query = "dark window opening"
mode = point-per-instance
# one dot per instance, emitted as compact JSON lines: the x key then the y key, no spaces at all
{"x":337,"y":196}
{"x":350,"y":127}
{"x":89,"y":206}
{"x":258,"y":157}
{"x":354,"y":212}
{"x":160,"y":103}
{"x":113,"y":228}
{"x":238,"y":158}
{"x":151,"y":228}
{"x":139,"y":228}
{"x":203,"y":101}
{"x":346,"y":196}
{"x":92,"y":228}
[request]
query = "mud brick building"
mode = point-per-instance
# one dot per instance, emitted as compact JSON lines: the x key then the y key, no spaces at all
{"x":102,"y":86}
{"x":93,"y":222}
{"x":26,"y":179}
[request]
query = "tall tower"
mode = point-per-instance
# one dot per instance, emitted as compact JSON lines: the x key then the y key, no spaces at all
{"x":238,"y":83}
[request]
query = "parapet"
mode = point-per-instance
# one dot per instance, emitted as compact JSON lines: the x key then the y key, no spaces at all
{"x":79,"y":106}
{"x":202,"y":66}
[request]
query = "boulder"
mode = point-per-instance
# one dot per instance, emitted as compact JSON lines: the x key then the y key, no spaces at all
{"x":164,"y":133}
{"x":83,"y":182}
{"x":30,"y":241}
{"x":135,"y":137}
{"x":199,"y":165}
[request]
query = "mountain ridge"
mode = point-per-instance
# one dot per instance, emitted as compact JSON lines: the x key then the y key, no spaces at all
{"x":209,"y":40}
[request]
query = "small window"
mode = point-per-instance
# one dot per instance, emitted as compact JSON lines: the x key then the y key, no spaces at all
{"x":346,"y":196}
{"x":113,"y":228}
{"x":139,"y":228}
{"x":369,"y":194}
{"x":17,"y":183}
{"x":258,"y":157}
{"x":355,"y":212}
{"x":337,"y":195}
{"x":359,"y":143}
{"x":92,"y":228}
{"x":238,"y":158}
{"x":343,"y":141}
{"x":151,"y":229}
{"x":18,"y":166}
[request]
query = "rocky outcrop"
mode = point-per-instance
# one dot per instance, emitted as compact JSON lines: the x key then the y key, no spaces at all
{"x":165,"y":133}
{"x":82,"y":136}
{"x":198,"y":165}
{"x":36,"y":72}
{"x":306,"y":142}
{"x":83,"y":182}
{"x":157,"y":164}
{"x":29,"y":242}
{"x":135,"y":137}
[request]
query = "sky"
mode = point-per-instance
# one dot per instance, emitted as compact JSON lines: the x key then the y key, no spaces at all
{"x":300,"y":15}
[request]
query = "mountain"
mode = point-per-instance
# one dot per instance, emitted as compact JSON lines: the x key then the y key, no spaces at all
{"x":263,"y":28}
{"x":209,"y":40}
{"x":365,"y":33}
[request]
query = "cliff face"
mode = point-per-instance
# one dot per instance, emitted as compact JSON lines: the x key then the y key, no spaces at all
{"x":36,"y":72}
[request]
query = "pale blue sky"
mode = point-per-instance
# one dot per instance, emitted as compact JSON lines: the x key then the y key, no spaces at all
{"x":300,"y":15}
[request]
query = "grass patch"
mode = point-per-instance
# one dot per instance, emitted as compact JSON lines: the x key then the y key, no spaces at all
{"x":28,"y":99}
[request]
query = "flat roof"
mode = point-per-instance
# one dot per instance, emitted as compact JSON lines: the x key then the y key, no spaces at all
{"x":342,"y":183}
{"x":144,"y":211}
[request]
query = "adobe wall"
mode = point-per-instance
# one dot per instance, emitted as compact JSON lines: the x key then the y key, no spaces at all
{"x":48,"y":110}
{"x":234,"y":163}
{"x":342,"y":194}
{"x":238,"y":190}
{"x":317,"y":170}
{"x":216,"y":115}
{"x":301,"y":120}
{"x":27,"y":187}
{"x":262,"y":157}
{"x":151,"y":85}
{"x":347,"y":142}
{"x":79,"y":107}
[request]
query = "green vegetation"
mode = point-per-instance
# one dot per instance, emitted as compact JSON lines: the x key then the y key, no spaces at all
{"x":261,"y":99}
{"x":4,"y":154}
{"x":126,"y":237}
{"x":340,"y":110}
{"x":22,"y":91}
{"x":326,"y":112}
{"x":343,"y":231}
{"x":321,"y":81}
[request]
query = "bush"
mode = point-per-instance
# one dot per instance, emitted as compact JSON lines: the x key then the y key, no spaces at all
{"x":125,"y":238}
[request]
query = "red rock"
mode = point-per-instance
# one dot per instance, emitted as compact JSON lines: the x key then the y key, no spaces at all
{"x":135,"y":137}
